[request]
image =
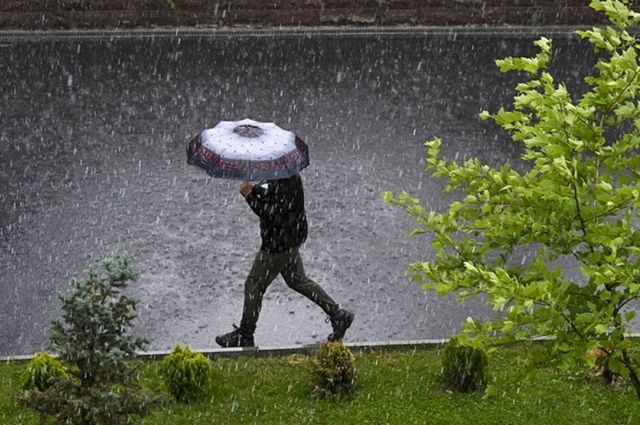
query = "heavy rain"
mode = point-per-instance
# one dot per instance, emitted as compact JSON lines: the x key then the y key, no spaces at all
{"x":92,"y":163}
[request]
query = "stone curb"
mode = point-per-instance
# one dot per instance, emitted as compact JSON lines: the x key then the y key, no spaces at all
{"x":267,"y":351}
{"x":308,"y":349}
{"x":287,"y":350}
{"x":21,"y":35}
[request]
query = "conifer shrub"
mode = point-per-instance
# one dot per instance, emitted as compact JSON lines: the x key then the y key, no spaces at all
{"x":333,"y":370}
{"x":186,"y":374}
{"x":464,"y":368}
{"x":41,"y":371}
{"x":93,"y":341}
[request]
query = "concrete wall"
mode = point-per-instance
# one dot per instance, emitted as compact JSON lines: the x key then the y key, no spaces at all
{"x":64,"y":14}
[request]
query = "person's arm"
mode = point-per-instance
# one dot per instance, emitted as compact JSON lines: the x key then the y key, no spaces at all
{"x":258,"y":197}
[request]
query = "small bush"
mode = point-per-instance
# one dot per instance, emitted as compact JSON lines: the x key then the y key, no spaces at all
{"x":40,"y":371}
{"x":334,"y":370}
{"x":464,"y":368}
{"x":186,"y":374}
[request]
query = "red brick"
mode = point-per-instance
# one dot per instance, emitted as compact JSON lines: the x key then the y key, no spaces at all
{"x":43,"y":14}
{"x":398,"y":16}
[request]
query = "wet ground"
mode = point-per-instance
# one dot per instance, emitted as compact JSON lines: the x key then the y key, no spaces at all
{"x":92,"y":163}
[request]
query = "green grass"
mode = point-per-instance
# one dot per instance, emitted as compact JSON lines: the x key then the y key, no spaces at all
{"x":394,"y":386}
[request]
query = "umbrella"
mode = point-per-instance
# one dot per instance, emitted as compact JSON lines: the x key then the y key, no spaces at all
{"x":248,"y":150}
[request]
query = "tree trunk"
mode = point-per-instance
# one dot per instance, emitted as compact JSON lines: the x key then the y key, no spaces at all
{"x":632,"y":372}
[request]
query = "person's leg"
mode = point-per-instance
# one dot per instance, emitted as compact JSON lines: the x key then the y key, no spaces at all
{"x":294,"y":276}
{"x":296,"y":279}
{"x":264,"y":270}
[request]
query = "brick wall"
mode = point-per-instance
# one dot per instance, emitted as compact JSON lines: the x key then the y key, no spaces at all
{"x":54,"y":14}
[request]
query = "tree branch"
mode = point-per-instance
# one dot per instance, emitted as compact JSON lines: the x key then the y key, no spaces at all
{"x":622,"y":304}
{"x":567,"y":319}
{"x":615,"y":101}
{"x":583,"y":226}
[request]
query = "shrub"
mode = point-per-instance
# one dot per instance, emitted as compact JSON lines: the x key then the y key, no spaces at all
{"x":186,"y":374}
{"x":464,"y":367}
{"x":93,"y":342}
{"x":41,"y":371}
{"x":334,"y":370}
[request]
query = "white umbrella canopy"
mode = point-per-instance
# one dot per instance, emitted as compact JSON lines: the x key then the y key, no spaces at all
{"x":248,"y":150}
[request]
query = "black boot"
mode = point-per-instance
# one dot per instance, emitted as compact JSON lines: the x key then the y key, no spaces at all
{"x":235,"y":338}
{"x":340,"y":322}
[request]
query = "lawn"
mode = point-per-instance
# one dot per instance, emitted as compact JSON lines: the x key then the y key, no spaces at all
{"x":394,"y":386}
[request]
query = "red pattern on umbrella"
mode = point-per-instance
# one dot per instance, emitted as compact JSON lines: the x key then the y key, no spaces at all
{"x":214,"y":159}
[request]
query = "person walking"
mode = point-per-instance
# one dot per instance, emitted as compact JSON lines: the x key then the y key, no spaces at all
{"x":283,"y":228}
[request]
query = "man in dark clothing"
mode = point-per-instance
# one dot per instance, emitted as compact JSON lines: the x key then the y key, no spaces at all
{"x":283,"y":228}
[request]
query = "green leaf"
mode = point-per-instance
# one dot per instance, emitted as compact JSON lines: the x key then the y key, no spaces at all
{"x":417,"y":231}
{"x":629,"y":316}
{"x":600,"y":329}
{"x":387,"y":196}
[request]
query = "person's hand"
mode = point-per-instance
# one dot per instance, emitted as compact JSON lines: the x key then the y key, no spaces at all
{"x":245,"y":188}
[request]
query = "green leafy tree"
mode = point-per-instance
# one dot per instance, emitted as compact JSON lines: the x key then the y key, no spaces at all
{"x":100,"y":387}
{"x":577,"y":199}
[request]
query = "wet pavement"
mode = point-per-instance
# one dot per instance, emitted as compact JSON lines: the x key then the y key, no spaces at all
{"x":92,"y":162}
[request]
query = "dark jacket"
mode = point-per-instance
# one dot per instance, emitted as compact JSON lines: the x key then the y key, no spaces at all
{"x":280,"y":206}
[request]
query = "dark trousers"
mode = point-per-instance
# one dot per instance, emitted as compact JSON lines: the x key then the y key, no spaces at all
{"x":266,"y":267}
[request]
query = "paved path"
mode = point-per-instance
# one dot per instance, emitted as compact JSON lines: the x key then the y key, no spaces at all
{"x":92,"y":162}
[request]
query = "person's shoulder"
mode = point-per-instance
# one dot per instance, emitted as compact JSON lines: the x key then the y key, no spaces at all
{"x":261,"y":189}
{"x":296,"y":179}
